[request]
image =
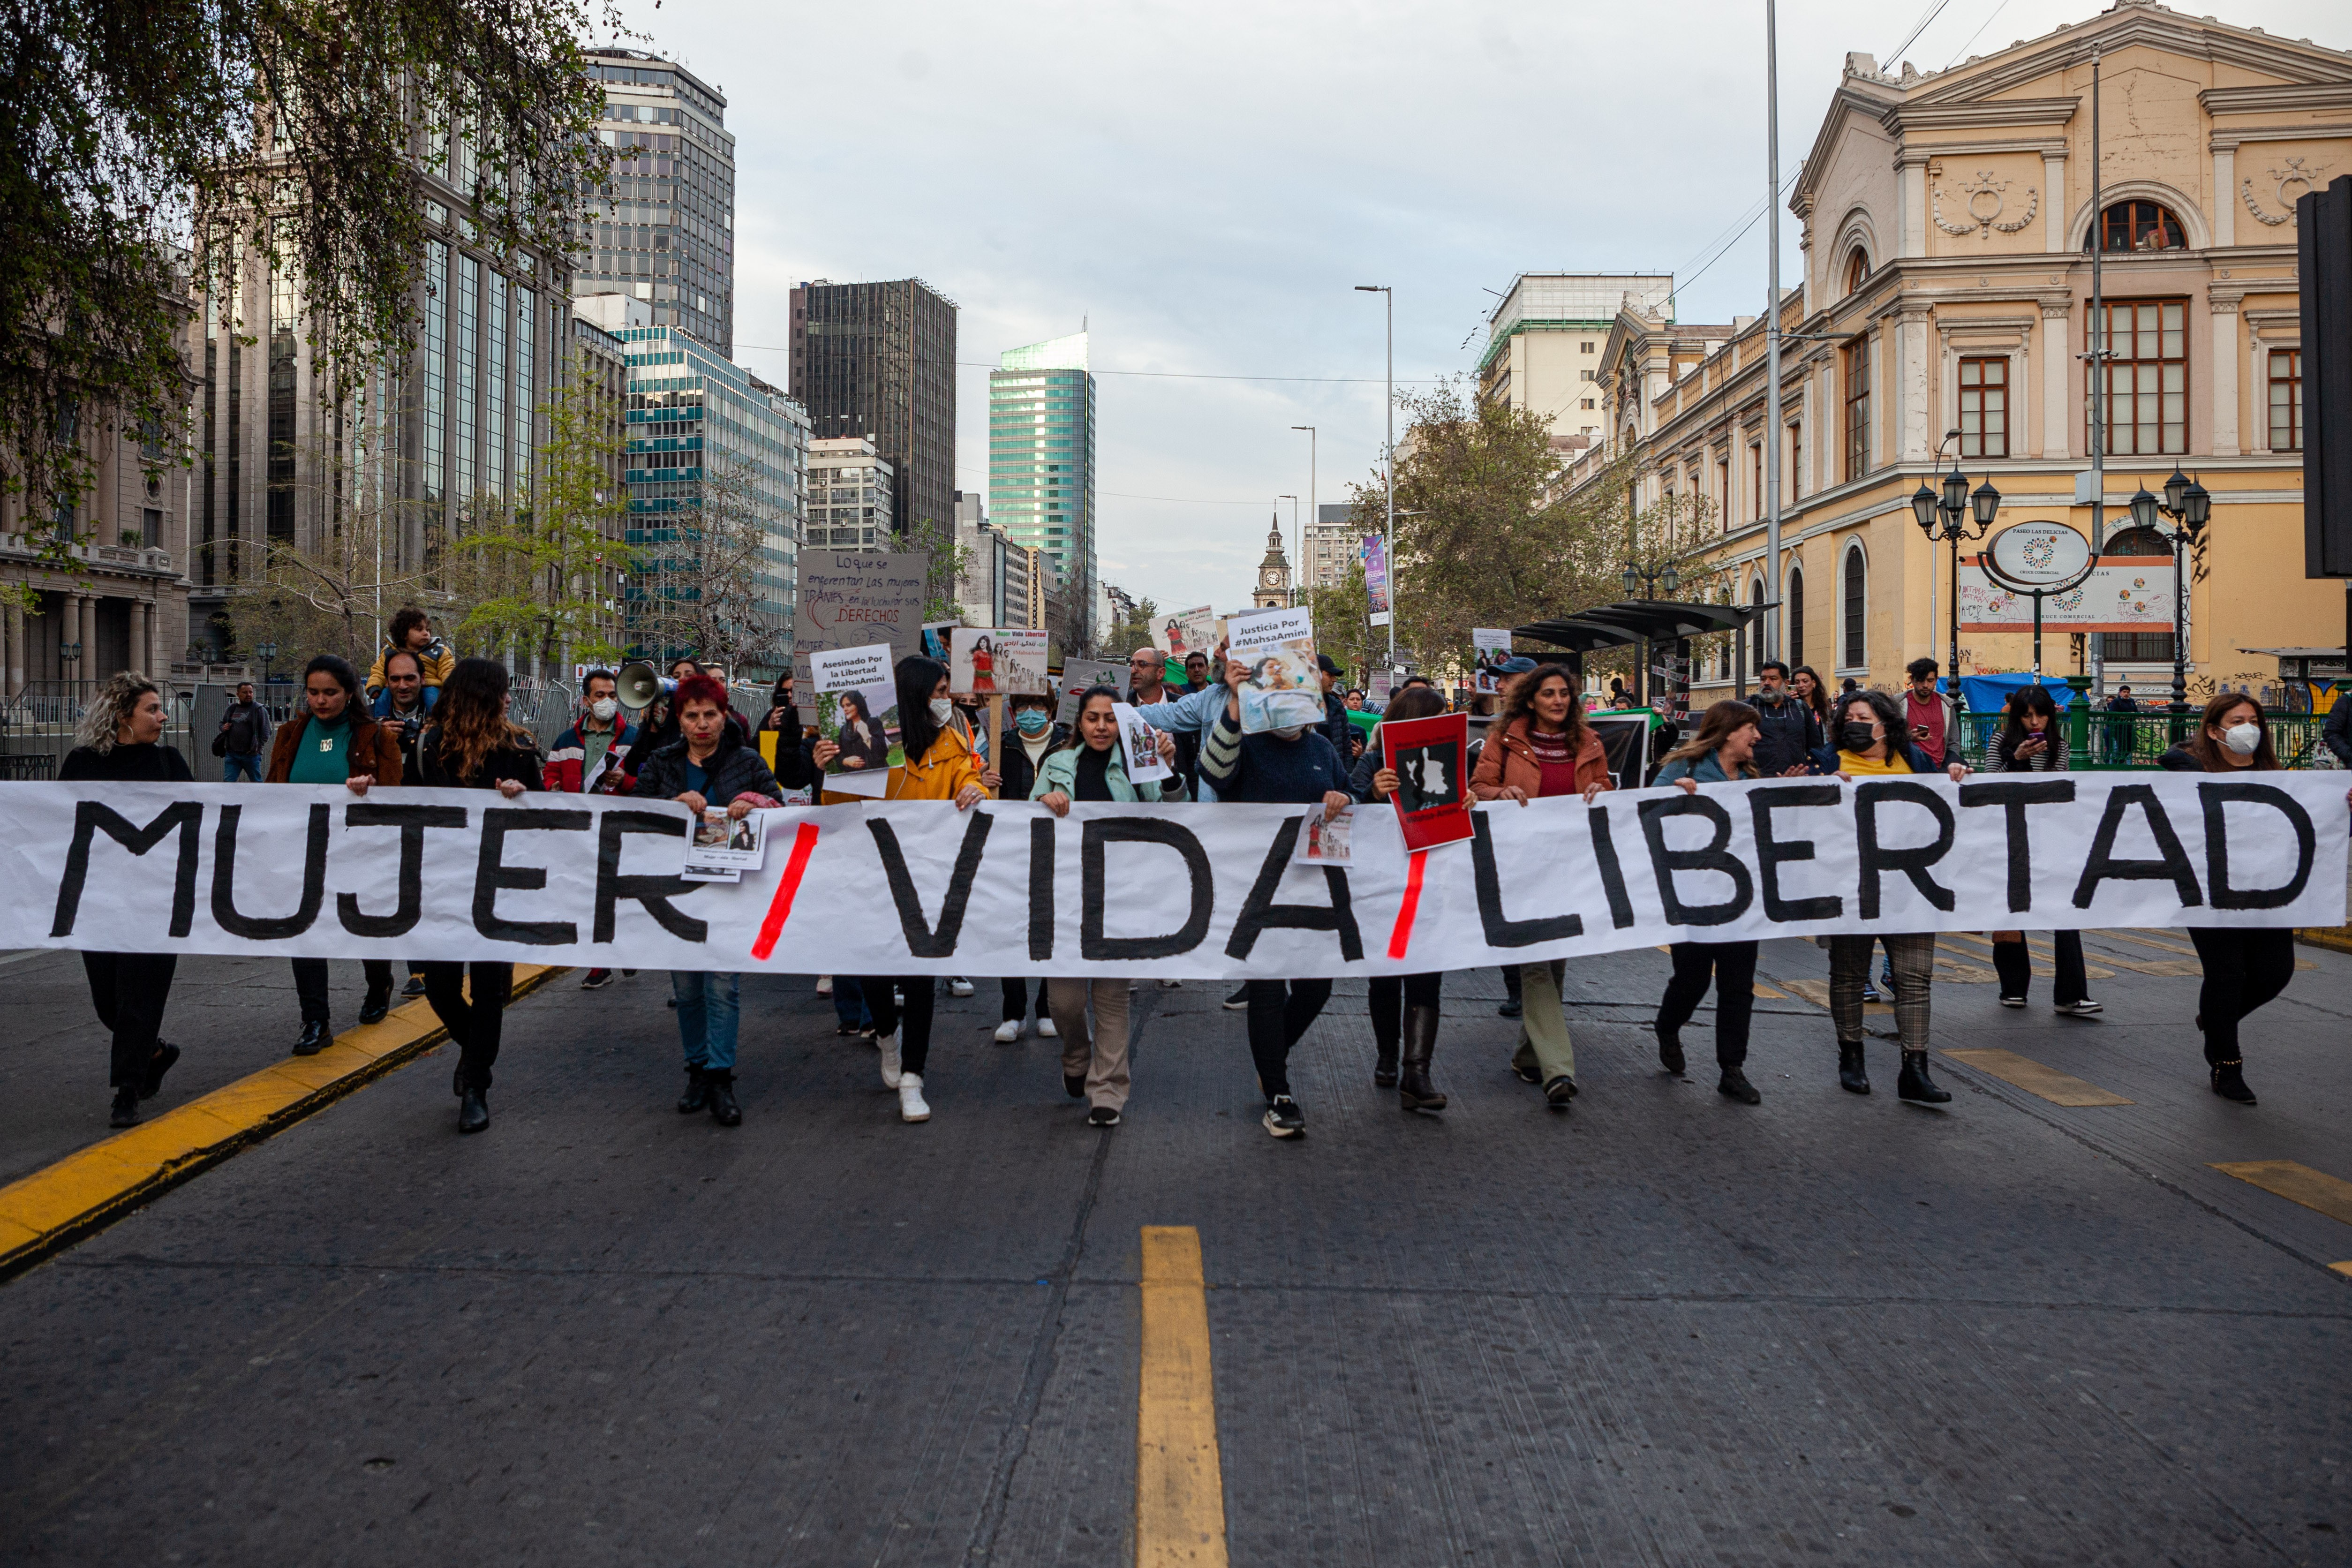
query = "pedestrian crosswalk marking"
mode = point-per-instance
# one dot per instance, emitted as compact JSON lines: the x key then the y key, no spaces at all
{"x":2057,"y":1088}
{"x":1179,"y":1488}
{"x":2330,"y":1195}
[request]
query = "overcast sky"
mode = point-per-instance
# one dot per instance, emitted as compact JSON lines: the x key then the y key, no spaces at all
{"x":1204,"y":183}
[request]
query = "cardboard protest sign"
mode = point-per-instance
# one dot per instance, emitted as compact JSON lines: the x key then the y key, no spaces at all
{"x":1492,"y":647}
{"x":858,"y":709}
{"x":997,"y":661}
{"x":1139,"y":744}
{"x":1183,"y":634}
{"x":1283,"y":687}
{"x":1080,"y":674}
{"x":1431,"y":760}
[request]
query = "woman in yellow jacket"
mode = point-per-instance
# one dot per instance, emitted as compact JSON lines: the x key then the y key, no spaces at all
{"x":940,"y":765}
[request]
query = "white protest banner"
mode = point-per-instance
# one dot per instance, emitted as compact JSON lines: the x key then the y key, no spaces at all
{"x":1139,"y":744}
{"x":919,"y":887}
{"x":857,"y":710}
{"x":1283,"y":688}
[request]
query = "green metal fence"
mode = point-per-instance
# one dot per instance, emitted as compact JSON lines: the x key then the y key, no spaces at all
{"x":2126,"y":741}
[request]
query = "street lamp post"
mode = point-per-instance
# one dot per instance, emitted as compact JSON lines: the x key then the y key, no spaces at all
{"x":1312,"y":509}
{"x":2190,"y":505}
{"x":1649,"y":580}
{"x":265,"y":652}
{"x":1301,"y":565}
{"x":1948,"y":517}
{"x":1387,"y":448}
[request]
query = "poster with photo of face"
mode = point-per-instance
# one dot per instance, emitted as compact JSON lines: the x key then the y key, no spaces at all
{"x":857,"y":710}
{"x":997,"y":661}
{"x":1285,"y":688}
{"x":1492,"y":648}
{"x":1139,"y":745}
{"x":1430,"y":757}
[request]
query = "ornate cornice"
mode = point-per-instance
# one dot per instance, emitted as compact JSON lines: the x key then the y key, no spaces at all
{"x":2219,"y":100}
{"x":1902,"y":119}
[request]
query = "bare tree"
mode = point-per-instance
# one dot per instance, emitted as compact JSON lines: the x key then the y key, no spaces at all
{"x":710,"y":576}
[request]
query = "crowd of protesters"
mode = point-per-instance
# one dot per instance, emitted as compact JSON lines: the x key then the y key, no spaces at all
{"x":423,"y":716}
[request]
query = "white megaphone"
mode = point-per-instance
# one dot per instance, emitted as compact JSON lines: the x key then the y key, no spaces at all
{"x":639,"y":684}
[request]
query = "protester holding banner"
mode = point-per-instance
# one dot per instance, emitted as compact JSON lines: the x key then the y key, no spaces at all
{"x":2245,"y":966}
{"x":119,"y":742}
{"x":1090,"y":767}
{"x":1404,"y":1007}
{"x":2031,"y":739}
{"x":335,"y":741}
{"x":708,"y":765}
{"x":1019,"y":752}
{"x":1539,"y":746}
{"x":940,"y":767}
{"x":1788,"y":733}
{"x":1729,"y":735}
{"x":472,"y":744}
{"x":1873,"y":740}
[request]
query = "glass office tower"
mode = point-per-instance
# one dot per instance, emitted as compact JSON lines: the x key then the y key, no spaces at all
{"x":664,"y":230}
{"x":1041,"y":464}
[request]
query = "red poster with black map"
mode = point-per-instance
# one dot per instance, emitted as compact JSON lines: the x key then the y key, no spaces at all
{"x":1431,"y":758}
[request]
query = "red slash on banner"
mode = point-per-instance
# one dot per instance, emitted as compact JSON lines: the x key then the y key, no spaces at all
{"x":780,"y":907}
{"x":1402,"y":937}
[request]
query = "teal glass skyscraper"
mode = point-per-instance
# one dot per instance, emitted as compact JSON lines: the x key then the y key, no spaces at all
{"x":1041,"y":466}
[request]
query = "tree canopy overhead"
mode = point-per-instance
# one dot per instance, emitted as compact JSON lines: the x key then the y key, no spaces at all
{"x":132,"y":132}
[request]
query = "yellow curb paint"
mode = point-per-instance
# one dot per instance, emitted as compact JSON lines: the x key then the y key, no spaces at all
{"x":2331,"y":1195}
{"x":1767,"y":994}
{"x":58,"y":1206}
{"x":1179,"y":1488}
{"x":2343,"y":1268}
{"x":2057,"y":1088}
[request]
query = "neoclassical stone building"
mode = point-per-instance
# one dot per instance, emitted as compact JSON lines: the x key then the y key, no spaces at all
{"x":1946,"y":225}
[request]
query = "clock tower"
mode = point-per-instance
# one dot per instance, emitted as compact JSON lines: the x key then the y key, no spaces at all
{"x":1273,"y":589}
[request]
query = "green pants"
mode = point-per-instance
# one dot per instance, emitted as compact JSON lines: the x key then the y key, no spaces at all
{"x":1543,"y":1025}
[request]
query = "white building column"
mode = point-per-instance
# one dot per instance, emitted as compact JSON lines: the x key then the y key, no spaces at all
{"x":2054,"y":201}
{"x":2249,"y":351}
{"x":1913,"y":442}
{"x":2057,"y":364}
{"x":1911,"y":179}
{"x":2225,"y":196}
{"x":2225,"y":375}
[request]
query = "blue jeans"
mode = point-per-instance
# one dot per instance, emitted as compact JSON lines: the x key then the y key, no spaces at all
{"x":246,"y":763}
{"x":849,"y":1004}
{"x":708,"y":1009}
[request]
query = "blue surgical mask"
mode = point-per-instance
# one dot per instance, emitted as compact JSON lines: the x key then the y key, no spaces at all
{"x":1031,"y":721}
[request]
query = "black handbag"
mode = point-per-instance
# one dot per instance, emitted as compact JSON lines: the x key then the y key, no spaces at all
{"x":220,"y":745}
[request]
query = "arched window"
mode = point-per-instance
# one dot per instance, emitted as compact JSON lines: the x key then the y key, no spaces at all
{"x":1857,"y":269}
{"x":1793,"y":611}
{"x":1857,"y":575}
{"x":2135,"y":541}
{"x":2139,"y":225}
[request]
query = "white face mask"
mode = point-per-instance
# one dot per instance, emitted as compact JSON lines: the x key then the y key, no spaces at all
{"x":2242,"y":737}
{"x":604,"y":708}
{"x":941,"y":711}
{"x":1288,"y":731}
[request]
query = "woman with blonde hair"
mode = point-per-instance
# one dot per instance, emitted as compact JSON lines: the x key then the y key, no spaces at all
{"x":472,"y":744}
{"x":1724,"y":750}
{"x":120,"y":735}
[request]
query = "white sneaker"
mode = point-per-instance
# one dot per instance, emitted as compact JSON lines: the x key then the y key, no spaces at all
{"x":910,"y":1098}
{"x":825,"y":985}
{"x":888,"y":1045}
{"x":959,"y":986}
{"x":2082,"y":1009}
{"x":1008,"y":1031}
{"x":1046,"y":1030}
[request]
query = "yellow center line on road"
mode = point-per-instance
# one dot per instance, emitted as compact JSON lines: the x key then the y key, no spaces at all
{"x":1180,"y":1485}
{"x":2330,"y":1195}
{"x":2057,"y":1088}
{"x":91,"y":1188}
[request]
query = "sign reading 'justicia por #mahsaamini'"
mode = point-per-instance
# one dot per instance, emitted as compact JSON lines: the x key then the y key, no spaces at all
{"x":1172,"y":891}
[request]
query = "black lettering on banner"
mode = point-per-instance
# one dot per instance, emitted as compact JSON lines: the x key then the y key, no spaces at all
{"x":2013,"y":795}
{"x":1500,"y":929}
{"x":1612,"y":875}
{"x":923,"y":939}
{"x":653,"y":892}
{"x":2171,"y":865}
{"x":1262,"y":914}
{"x":1040,"y":889}
{"x":2216,"y":844}
{"x":411,"y":821}
{"x":267,"y":928}
{"x":1095,"y":838}
{"x":92,"y":816}
{"x":492,"y":875}
{"x":1711,"y":857}
{"x":1912,"y":860}
{"x":1772,"y":853}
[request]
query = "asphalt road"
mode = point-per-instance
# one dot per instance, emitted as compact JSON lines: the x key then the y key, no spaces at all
{"x":1661,"y":1328}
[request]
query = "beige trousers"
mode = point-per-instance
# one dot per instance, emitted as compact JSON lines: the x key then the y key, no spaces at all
{"x":1543,"y":1022}
{"x":1094,"y":1049}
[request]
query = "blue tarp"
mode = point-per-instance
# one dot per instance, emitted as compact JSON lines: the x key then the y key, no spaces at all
{"x":1990,"y":693}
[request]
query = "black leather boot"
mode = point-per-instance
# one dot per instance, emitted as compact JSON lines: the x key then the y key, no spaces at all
{"x":723,"y":1109}
{"x":1851,"y":1076}
{"x":375,"y":1003}
{"x":1416,"y":1092}
{"x":1384,"y":1063}
{"x":1734,"y":1085}
{"x":1915,"y":1084}
{"x":158,"y":1064}
{"x":473,"y":1110}
{"x":1670,"y":1051}
{"x":2229,"y":1081}
{"x":316,"y":1035}
{"x":698,"y":1093}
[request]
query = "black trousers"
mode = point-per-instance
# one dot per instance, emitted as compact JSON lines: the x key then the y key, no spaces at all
{"x":2015,"y":966}
{"x":912,"y":1022}
{"x":1733,"y":967}
{"x":310,"y":985}
{"x":1511,"y":981}
{"x":1016,"y":998}
{"x":1279,"y":1013}
{"x":473,"y":1025}
{"x":2244,"y":969}
{"x":1392,"y":995}
{"x":129,"y":990}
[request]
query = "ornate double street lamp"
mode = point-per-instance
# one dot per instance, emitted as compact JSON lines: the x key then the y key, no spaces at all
{"x":1948,"y":517}
{"x":1648,"y":580}
{"x":2190,"y":505}
{"x":265,"y":652}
